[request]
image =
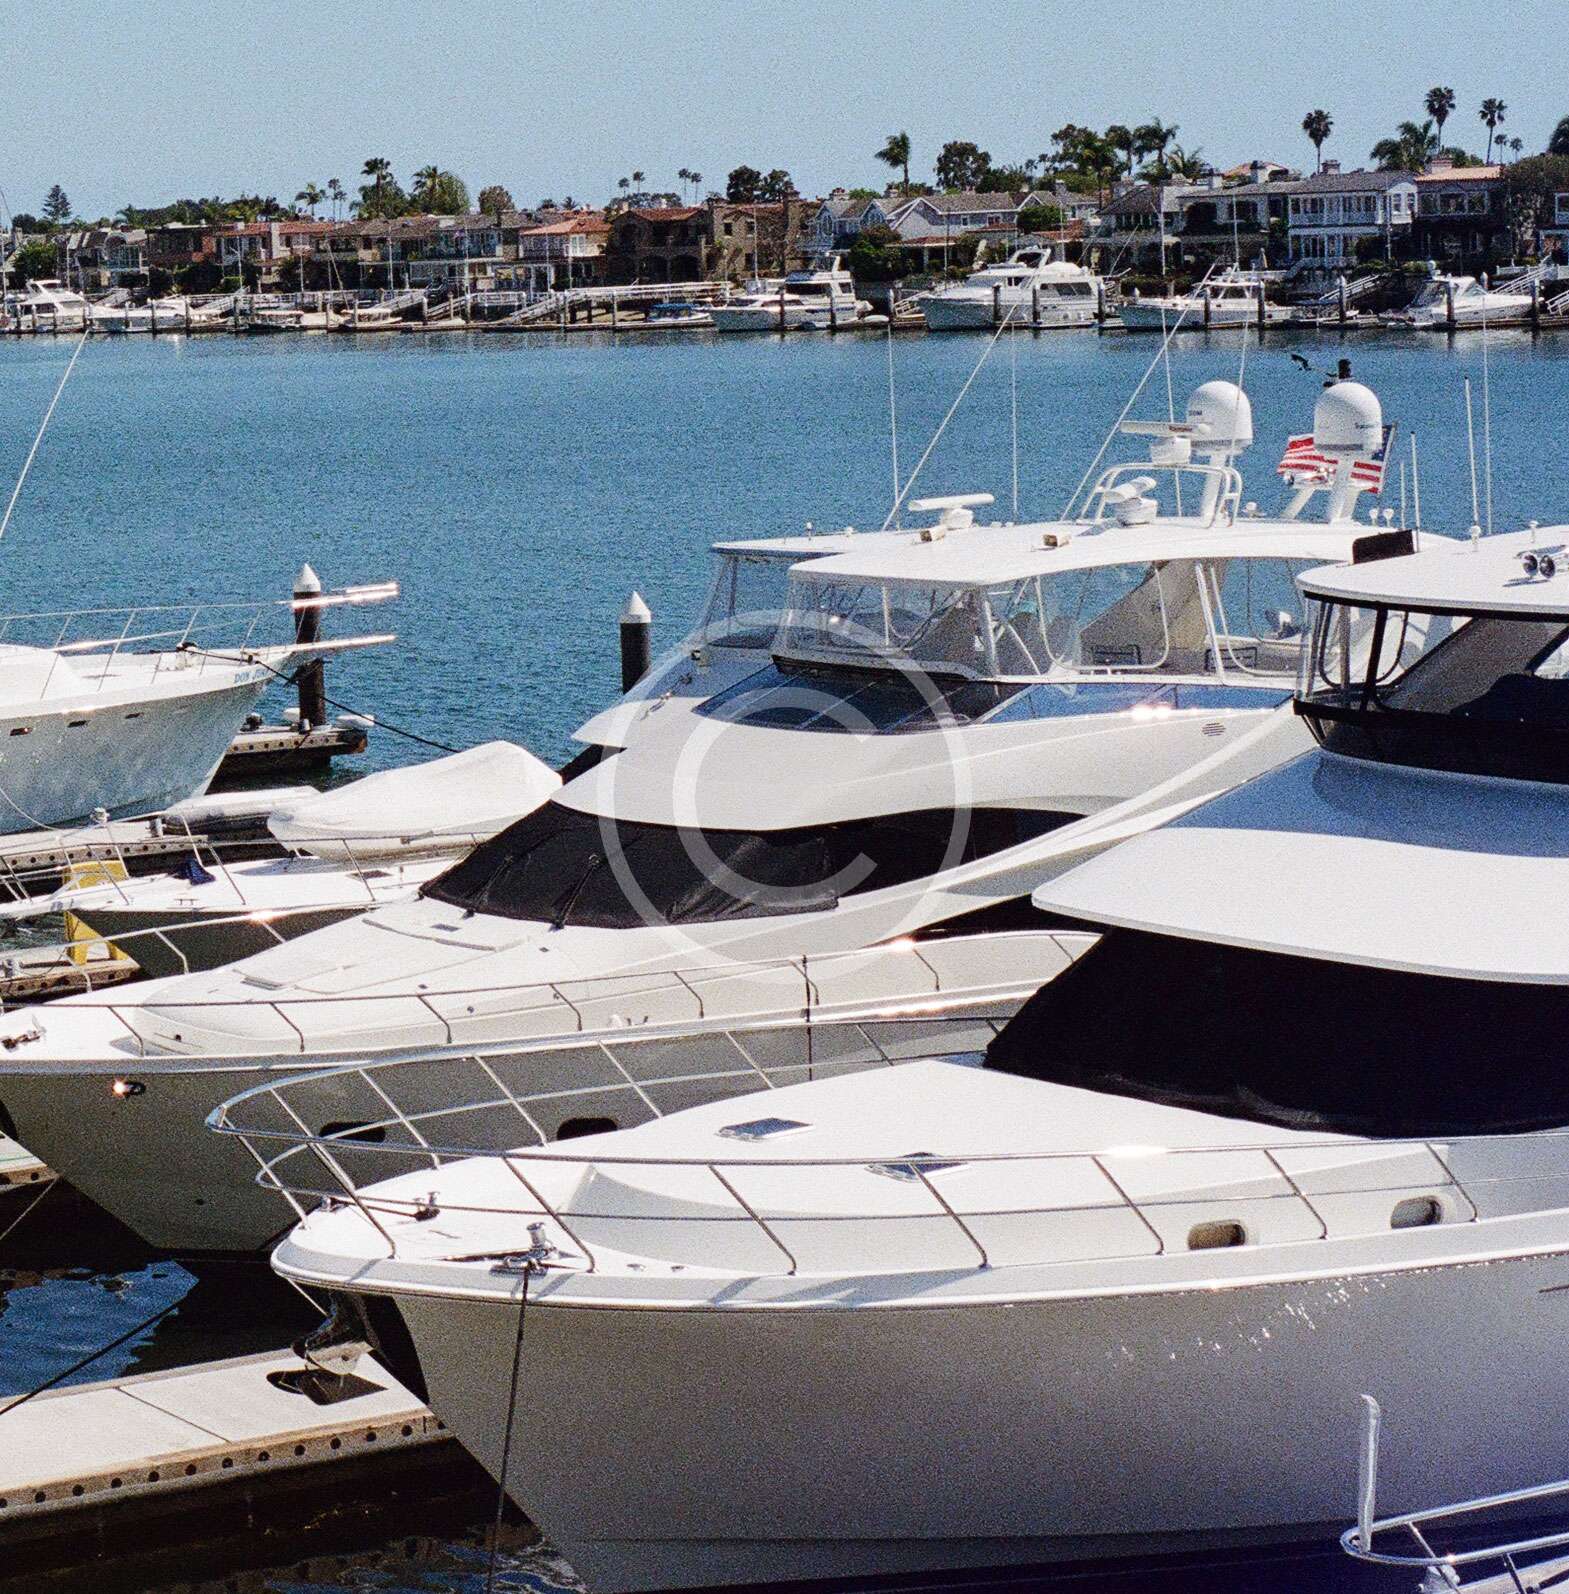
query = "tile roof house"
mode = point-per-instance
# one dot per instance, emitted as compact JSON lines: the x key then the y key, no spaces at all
{"x":1462,"y":212}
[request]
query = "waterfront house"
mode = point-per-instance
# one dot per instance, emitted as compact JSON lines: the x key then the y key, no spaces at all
{"x":840,"y":220}
{"x":1336,"y":218}
{"x":656,"y":244}
{"x":566,"y":251}
{"x":95,"y":259}
{"x":767,"y":236}
{"x":177,"y":245}
{"x":264,"y":246}
{"x":1462,"y":214}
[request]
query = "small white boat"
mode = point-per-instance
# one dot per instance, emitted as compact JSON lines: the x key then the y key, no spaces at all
{"x":815,"y":299}
{"x":678,"y":313}
{"x":1231,"y":298}
{"x":1447,"y":301}
{"x":274,"y":318}
{"x":1030,"y":288}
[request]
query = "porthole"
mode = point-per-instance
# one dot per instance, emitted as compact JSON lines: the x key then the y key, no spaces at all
{"x":1216,"y":1236}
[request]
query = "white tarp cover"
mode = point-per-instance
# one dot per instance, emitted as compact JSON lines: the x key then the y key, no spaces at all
{"x":431,"y":807}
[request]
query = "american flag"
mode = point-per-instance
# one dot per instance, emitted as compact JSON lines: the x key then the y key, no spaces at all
{"x":1302,"y":461}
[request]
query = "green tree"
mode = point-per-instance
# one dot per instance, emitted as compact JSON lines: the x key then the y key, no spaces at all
{"x":379,"y":169}
{"x":1439,"y":104}
{"x":1412,"y":147}
{"x":962,"y":167}
{"x":439,"y":193}
{"x":310,"y":196}
{"x":1039,"y":218}
{"x":875,"y":255}
{"x":776,"y":185}
{"x":742,"y":184}
{"x":1121,"y":138}
{"x":337,"y":193}
{"x":57,"y":207}
{"x":895,"y":153}
{"x":32,"y":261}
{"x":1531,"y":187}
{"x":1318,"y":125}
{"x":1558,"y":144}
{"x":1155,"y":138}
{"x":495,"y":201}
{"x":1492,"y":114}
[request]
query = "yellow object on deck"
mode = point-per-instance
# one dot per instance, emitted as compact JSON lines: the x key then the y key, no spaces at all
{"x":80,"y":936}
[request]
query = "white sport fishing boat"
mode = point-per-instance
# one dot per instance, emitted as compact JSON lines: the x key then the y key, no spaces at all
{"x":1292,"y":1132}
{"x":363,"y":845}
{"x":812,"y":299}
{"x":944,"y":701}
{"x":1447,"y":301}
{"x":1030,"y":288}
{"x":1229,"y":298}
{"x":46,"y":305}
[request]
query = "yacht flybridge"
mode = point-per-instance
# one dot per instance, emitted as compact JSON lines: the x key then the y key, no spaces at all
{"x":1293,"y":1131}
{"x":937,"y":705}
{"x":1030,"y":288}
{"x":814,"y":298}
{"x":1229,"y":298}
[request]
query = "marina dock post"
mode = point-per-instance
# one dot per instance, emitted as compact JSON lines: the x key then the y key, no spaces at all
{"x":1536,"y":303}
{"x":1449,"y":304}
{"x":1035,"y":304}
{"x":1340,"y":297}
{"x":997,"y":304}
{"x":636,"y":632}
{"x":307,"y":628}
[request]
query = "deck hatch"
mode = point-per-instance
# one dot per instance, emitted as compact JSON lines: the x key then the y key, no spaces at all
{"x":762,"y":1128}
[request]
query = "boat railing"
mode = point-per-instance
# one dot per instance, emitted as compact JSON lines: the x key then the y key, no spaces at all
{"x":1227,"y":497}
{"x":1521,"y":1555}
{"x":1125,"y":1203}
{"x":187,"y":634}
{"x":881,"y":978}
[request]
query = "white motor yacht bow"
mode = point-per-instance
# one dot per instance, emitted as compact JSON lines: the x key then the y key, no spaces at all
{"x":1230,"y":298}
{"x":1293,"y":1131}
{"x":816,"y":298}
{"x":944,"y":701}
{"x":1447,"y":301}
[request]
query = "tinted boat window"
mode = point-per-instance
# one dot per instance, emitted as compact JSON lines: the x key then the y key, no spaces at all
{"x":1299,"y":1042}
{"x":859,"y":702}
{"x":559,"y":866}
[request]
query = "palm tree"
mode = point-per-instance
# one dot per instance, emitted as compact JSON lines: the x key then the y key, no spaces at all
{"x":1122,"y":138}
{"x":697,"y":185}
{"x":337,"y":193}
{"x":638,"y":179}
{"x":1492,"y":113}
{"x":683,"y":177}
{"x":1154,"y":138}
{"x":1318,"y":125}
{"x":1412,"y":147}
{"x":1515,"y":146}
{"x":425,"y":180}
{"x":1438,"y":104}
{"x":1188,"y":163}
{"x":895,"y":153}
{"x":310,"y":196}
{"x":378,"y":168}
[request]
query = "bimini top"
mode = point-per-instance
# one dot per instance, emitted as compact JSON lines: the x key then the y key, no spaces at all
{"x":1502,"y":574}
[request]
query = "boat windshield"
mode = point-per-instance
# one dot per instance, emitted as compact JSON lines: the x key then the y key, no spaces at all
{"x":1301,"y":1042}
{"x":744,"y":602}
{"x":1182,"y":617}
{"x":1476,"y":694}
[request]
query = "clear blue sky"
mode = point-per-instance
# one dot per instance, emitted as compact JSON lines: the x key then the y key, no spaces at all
{"x":127,"y":100}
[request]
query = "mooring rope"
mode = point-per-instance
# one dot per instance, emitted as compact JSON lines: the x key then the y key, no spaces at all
{"x":506,"y":1437}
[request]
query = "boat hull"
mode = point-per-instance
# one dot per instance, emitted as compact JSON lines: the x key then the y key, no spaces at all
{"x":148,"y":1157}
{"x":678,"y":1448}
{"x":62,"y":763}
{"x":954,"y":314}
{"x":1139,"y":317}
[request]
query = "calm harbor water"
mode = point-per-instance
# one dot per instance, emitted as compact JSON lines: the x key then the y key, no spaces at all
{"x":519,"y":487}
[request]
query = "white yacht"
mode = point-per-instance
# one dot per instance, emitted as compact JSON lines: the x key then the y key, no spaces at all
{"x":814,"y":298}
{"x":1292,"y":1132}
{"x":1229,"y":298}
{"x":135,"y":714}
{"x":374,"y":841}
{"x":1447,"y":301}
{"x":1030,"y":288}
{"x":934,"y":709}
{"x":46,"y":304}
{"x":157,"y":315}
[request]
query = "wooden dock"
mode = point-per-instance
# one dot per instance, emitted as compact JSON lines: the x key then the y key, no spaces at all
{"x":206,"y":1469}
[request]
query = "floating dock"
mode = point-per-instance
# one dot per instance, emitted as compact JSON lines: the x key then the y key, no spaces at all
{"x":209,"y":1468}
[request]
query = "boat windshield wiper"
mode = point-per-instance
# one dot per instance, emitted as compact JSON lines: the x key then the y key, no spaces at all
{"x":568,"y":899}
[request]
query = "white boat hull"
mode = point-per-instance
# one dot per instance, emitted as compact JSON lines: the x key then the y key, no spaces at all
{"x":953,"y":313}
{"x":1137,"y":316}
{"x":669,"y":1449}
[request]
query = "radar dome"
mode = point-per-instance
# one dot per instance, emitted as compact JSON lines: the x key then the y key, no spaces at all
{"x":1221,"y":417}
{"x":1348,"y":419}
